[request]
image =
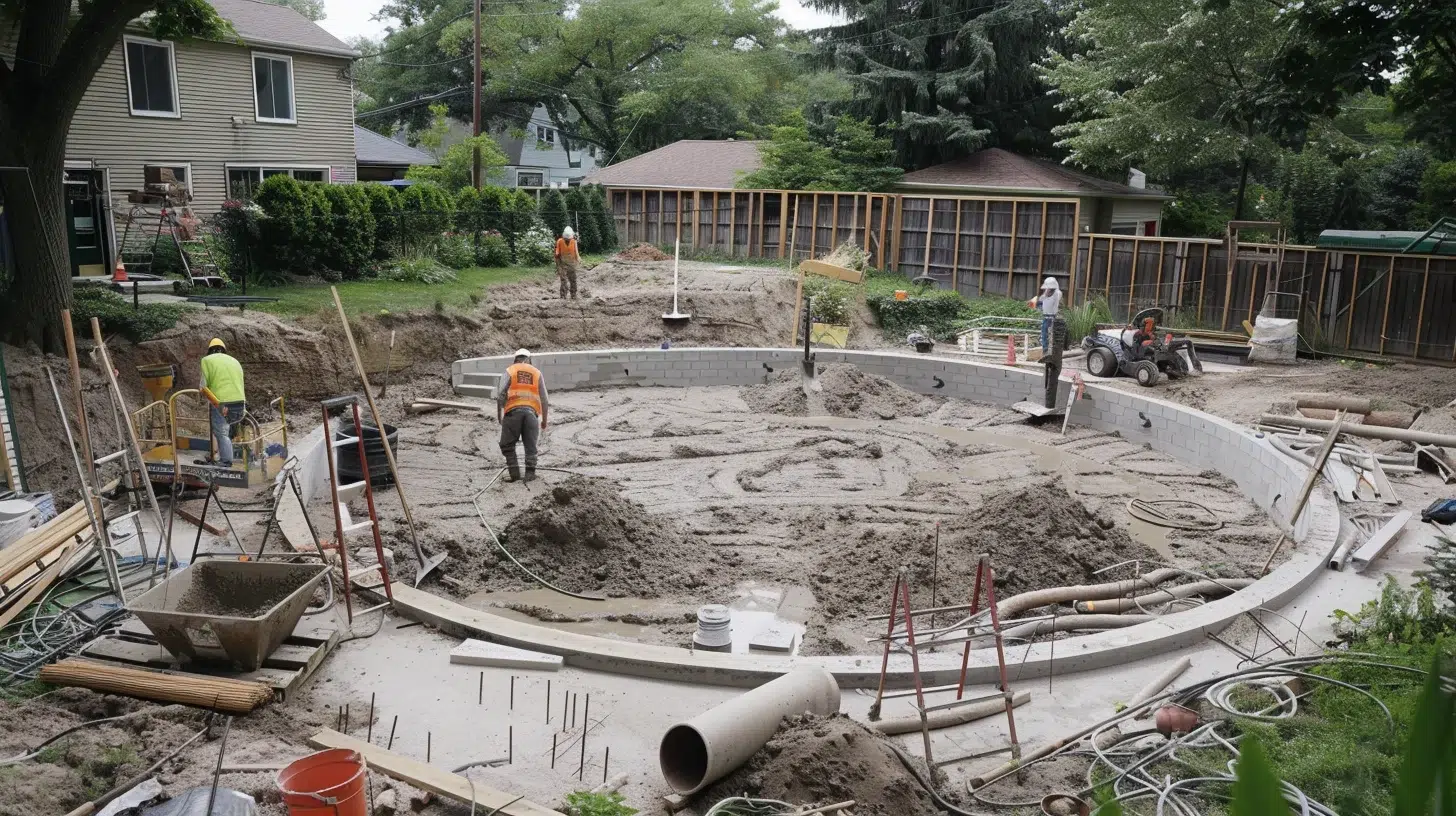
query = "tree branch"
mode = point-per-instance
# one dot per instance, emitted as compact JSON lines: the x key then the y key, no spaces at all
{"x":652,"y":52}
{"x":86,"y":49}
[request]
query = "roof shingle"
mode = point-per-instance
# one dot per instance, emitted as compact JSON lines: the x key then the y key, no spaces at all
{"x":698,"y":164}
{"x":260,"y":23}
{"x":371,"y":148}
{"x":998,"y":169}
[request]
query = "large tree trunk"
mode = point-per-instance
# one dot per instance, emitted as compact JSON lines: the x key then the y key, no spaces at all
{"x":35,"y":207}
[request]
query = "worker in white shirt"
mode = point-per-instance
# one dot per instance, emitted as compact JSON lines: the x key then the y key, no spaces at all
{"x":1050,"y":303}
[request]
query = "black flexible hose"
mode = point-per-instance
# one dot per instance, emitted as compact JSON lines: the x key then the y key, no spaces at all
{"x":940,"y":801}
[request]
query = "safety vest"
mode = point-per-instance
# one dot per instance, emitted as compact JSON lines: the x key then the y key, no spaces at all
{"x":224,"y":376}
{"x":566,"y":250}
{"x":523,"y":387}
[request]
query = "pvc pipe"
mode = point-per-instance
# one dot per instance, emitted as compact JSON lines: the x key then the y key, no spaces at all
{"x":1222,"y":586}
{"x":948,"y":717}
{"x":1037,"y":598}
{"x":699,"y":752}
{"x":1367,"y":431}
{"x":1162,"y":681}
{"x":1355,"y":405}
{"x":1070,"y":623}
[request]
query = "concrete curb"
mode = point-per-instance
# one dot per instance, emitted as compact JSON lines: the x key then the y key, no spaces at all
{"x":1188,"y":435}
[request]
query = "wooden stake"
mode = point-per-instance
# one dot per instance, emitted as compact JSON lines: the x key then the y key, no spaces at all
{"x":1308,"y":488}
{"x":1354,"y":293}
{"x":378,"y":423}
{"x":1421,"y":310}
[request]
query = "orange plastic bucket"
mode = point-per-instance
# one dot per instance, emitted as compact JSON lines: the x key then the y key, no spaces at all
{"x":329,"y":783}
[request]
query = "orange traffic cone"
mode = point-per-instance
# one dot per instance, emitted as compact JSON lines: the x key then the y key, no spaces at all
{"x":1011,"y":350}
{"x":118,"y":275}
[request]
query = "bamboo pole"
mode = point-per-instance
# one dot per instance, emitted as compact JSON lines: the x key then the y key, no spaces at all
{"x":214,"y":693}
{"x":1421,"y":310}
{"x":383,"y":436}
{"x":1354,"y":292}
{"x":1385,"y":314}
{"x":985,"y":230}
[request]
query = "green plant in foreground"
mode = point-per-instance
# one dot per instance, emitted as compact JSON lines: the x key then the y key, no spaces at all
{"x":1082,"y":319}
{"x":117,"y":315}
{"x":582,"y":803}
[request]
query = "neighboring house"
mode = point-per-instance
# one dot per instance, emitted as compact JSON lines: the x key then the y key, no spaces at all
{"x":690,"y":164}
{"x":1107,"y":206}
{"x":540,"y":155}
{"x":380,"y":158}
{"x":222,"y":116}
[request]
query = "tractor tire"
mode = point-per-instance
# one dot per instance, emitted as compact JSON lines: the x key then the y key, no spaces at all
{"x":1146,"y":372}
{"x":1101,"y":362}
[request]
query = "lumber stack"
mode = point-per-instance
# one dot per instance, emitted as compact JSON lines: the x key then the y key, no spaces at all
{"x":29,"y":558}
{"x":215,"y":693}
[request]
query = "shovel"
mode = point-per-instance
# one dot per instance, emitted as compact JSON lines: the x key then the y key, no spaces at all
{"x":809,"y":380}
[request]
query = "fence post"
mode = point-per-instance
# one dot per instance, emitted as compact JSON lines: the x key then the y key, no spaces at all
{"x":929,"y":232}
{"x":1421,"y":310}
{"x":1385,"y":315}
{"x":955,"y":255}
{"x":1354,"y":293}
{"x":1041,"y":250}
{"x":1011,"y":256}
{"x":985,"y":230}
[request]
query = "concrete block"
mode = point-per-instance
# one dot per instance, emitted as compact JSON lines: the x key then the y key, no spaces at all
{"x":482,"y":653}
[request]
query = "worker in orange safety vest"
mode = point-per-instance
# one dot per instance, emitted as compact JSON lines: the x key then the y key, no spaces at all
{"x":521,"y":404}
{"x":567,"y":258}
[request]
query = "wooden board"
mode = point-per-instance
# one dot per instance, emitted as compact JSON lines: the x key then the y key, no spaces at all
{"x":286,"y":670}
{"x":1036,"y":409}
{"x":430,"y":778}
{"x":1380,"y":541}
{"x":829,"y":270}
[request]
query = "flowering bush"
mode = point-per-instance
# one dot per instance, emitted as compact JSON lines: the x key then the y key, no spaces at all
{"x":493,"y":250}
{"x":454,"y":250}
{"x":536,"y":246}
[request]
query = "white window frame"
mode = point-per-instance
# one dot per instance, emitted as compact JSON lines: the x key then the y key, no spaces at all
{"x":228,"y":167}
{"x":187,"y":165}
{"x":292,"y":98}
{"x":540,"y":173}
{"x":171,"y":66}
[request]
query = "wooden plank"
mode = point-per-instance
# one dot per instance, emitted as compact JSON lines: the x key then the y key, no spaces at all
{"x":814,"y":226}
{"x":1137,"y":252}
{"x":1107,"y":295}
{"x":40,"y":585}
{"x":1011,"y":256}
{"x":733,"y":225}
{"x":1354,"y":293}
{"x":1385,"y":314}
{"x":854,"y":221}
{"x":1319,"y":309}
{"x":1041,"y":251}
{"x":762,"y":221}
{"x":834,"y":229}
{"x":677,"y":220}
{"x":830,"y":270}
{"x":898,"y":232}
{"x":955,"y":255}
{"x":1158,"y":286}
{"x":929,"y":232}
{"x":467,"y":406}
{"x":1202,"y":281}
{"x":430,"y":778}
{"x":1253,"y":289}
{"x":198,"y":522}
{"x":1076,"y":258}
{"x":1232,"y":246}
{"x":783,"y":224}
{"x":661,"y":211}
{"x":985,"y":228}
{"x":1380,"y":541}
{"x":1421,"y":310}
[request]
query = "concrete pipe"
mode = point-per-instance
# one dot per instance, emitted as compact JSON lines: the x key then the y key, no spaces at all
{"x":699,"y":752}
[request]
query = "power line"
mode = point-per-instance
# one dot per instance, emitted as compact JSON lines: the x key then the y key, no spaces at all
{"x":412,"y":102}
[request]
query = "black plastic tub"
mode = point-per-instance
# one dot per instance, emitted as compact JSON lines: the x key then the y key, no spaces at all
{"x":374,"y":456}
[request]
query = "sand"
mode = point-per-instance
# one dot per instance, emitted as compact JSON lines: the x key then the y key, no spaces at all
{"x":844,"y":391}
{"x":642,"y":252}
{"x":824,"y":760}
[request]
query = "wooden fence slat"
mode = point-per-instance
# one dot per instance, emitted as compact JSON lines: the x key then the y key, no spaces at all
{"x":1385,"y":314}
{"x":1319,"y":310}
{"x":1077,"y":230}
{"x":955,"y":255}
{"x":1011,"y":256}
{"x":1202,"y":281}
{"x":1354,"y":292}
{"x":985,"y":233}
{"x":929,"y":227}
{"x":1421,"y":310}
{"x":1137,"y":254}
{"x":1158,"y":286}
{"x":1041,"y":250}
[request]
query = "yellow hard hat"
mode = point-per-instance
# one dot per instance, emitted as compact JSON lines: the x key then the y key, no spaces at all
{"x":216,"y":342}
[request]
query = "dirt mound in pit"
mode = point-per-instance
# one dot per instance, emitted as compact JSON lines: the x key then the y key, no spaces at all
{"x":585,"y":536}
{"x":1038,"y":536}
{"x":824,"y":760}
{"x":845,"y":391}
{"x":642,"y":252}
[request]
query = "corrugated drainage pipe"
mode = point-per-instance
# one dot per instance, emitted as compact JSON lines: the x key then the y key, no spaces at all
{"x":708,"y":747}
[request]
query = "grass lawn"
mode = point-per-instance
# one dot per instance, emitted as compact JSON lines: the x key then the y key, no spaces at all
{"x":370,"y":296}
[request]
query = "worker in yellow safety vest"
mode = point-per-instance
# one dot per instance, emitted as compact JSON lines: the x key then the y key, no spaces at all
{"x":520,"y":407}
{"x":222,"y":384}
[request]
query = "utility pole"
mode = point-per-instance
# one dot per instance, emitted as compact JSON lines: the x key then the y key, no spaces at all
{"x":475,"y":162}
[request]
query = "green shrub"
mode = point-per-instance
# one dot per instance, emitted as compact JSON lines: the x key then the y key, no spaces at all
{"x":553,"y":211}
{"x":581,"y":218}
{"x":290,"y":235}
{"x":494,"y":202}
{"x":468,"y":211}
{"x":1082,"y":320}
{"x":583,"y":803}
{"x":236,"y":231}
{"x":937,"y":311}
{"x":536,"y":246}
{"x":519,"y":216}
{"x":351,"y":229}
{"x":830,"y":299}
{"x":455,"y":251}
{"x":117,"y":315}
{"x":427,"y":211}
{"x":384,"y":206}
{"x":493,"y":250}
{"x":417,"y":269}
{"x":606,"y":224}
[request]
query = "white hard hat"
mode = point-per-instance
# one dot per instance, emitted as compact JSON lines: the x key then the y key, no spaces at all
{"x":568,"y":233}
{"x":1050,"y":283}
{"x":523,"y":353}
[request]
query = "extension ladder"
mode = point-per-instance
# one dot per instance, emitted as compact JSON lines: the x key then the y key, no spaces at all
{"x":341,"y":495}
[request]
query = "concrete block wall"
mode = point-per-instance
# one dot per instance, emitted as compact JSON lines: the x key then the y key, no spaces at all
{"x":1189,"y":435}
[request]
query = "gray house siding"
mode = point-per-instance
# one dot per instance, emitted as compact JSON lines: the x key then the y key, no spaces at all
{"x":217,"y":125}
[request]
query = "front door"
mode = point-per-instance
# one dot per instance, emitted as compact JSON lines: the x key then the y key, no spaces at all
{"x":86,"y":221}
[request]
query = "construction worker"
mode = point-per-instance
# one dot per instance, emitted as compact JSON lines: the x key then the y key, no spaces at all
{"x":1050,"y":303}
{"x":520,"y":408}
{"x":222,"y":384}
{"x":566,"y":260}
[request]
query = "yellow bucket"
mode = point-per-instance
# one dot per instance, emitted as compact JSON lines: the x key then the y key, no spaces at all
{"x":157,"y":379}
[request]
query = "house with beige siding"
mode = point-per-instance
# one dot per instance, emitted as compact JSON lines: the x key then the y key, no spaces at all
{"x":221,"y":116}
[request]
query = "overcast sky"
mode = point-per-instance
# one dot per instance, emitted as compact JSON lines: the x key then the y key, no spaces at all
{"x":350,"y":18}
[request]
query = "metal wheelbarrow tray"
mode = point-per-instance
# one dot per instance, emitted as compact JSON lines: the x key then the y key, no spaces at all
{"x":245,"y":608}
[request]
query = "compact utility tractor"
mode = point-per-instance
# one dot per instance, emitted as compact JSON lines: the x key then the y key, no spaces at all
{"x":1141,"y":350}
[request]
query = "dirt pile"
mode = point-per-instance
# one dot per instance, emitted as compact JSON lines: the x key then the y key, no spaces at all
{"x":845,"y":391}
{"x":824,"y":760}
{"x":1038,"y":536}
{"x":642,"y":252}
{"x":583,"y":535}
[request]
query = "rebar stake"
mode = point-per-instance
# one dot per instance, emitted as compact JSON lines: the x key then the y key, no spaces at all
{"x":391,"y":732}
{"x":513,"y":691}
{"x":480,"y":694}
{"x":606,"y":758}
{"x":554,"y":735}
{"x":369,"y":736}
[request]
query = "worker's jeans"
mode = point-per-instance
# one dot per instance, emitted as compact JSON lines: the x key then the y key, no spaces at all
{"x":519,"y":425}
{"x":223,"y":422}
{"x":1046,"y":331}
{"x":566,"y":272}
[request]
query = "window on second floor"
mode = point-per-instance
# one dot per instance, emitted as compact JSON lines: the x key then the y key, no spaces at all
{"x":273,"y":88}
{"x":545,"y":136}
{"x":151,"y":77}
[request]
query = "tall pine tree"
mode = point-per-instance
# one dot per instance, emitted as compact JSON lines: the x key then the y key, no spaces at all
{"x":954,"y":76}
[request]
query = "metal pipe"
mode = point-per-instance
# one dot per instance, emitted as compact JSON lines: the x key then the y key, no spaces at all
{"x":696,"y":753}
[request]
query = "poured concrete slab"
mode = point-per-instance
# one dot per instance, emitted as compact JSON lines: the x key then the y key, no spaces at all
{"x":480,"y":653}
{"x":773,"y":639}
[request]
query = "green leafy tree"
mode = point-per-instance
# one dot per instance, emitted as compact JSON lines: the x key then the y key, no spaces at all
{"x":1311,"y":185}
{"x":1173,"y":87}
{"x":1404,"y":47}
{"x":579,"y":214}
{"x":553,"y":211}
{"x":456,"y":165}
{"x":58,"y":48}
{"x":351,"y":228}
{"x":1396,"y":189}
{"x":606,"y":224}
{"x":1438,"y":192}
{"x":845,"y":154}
{"x":952,"y":75}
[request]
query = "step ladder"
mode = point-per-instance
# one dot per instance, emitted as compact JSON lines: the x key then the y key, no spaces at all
{"x":344,"y":523}
{"x":140,"y":254}
{"x":902,"y":613}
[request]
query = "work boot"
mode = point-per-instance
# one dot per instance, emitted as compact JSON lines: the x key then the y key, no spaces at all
{"x":513,"y":473}
{"x":530,"y":474}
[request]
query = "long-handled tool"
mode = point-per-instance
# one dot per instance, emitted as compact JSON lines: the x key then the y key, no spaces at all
{"x":810,"y":380}
{"x":675,"y":314}
{"x":388,"y":361}
{"x":426,"y":564}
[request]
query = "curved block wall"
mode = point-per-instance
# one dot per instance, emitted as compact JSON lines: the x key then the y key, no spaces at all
{"x":1270,"y":479}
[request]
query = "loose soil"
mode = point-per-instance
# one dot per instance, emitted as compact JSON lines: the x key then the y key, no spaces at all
{"x":844,"y":391}
{"x":823,"y":760}
{"x":642,"y":252}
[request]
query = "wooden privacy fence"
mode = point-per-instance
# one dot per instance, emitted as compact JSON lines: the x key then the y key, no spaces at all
{"x":1373,"y":303}
{"x":976,"y":245}
{"x":1369,"y":303}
